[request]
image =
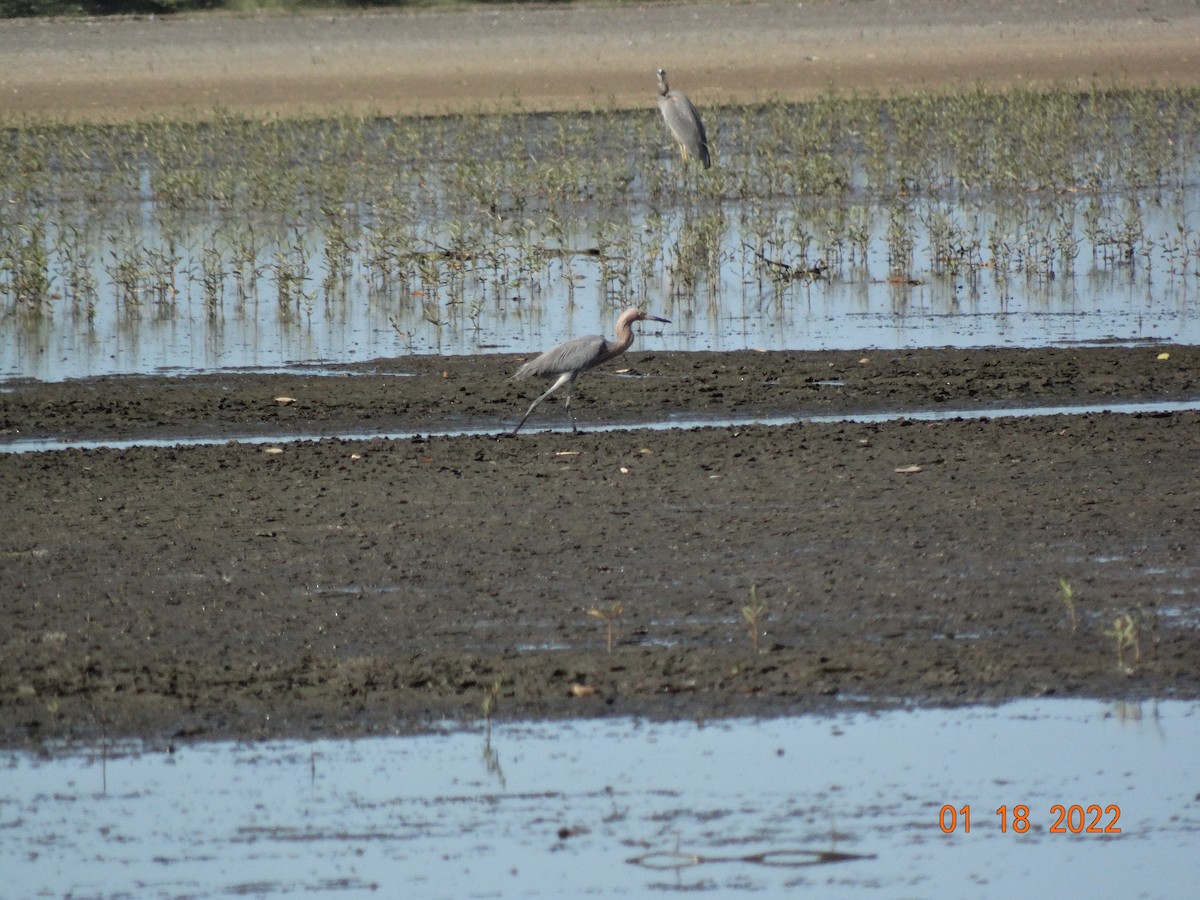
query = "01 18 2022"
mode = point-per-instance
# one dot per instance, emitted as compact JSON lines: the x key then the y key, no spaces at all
{"x":1075,"y":818}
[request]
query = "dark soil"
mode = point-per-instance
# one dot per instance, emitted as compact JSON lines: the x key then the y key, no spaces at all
{"x":343,"y":587}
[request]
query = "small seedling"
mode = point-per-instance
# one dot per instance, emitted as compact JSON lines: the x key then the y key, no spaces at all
{"x":491,"y":694}
{"x":1068,"y":598}
{"x":754,"y":613}
{"x":1125,"y":633}
{"x":611,"y":617}
{"x":1148,"y":626}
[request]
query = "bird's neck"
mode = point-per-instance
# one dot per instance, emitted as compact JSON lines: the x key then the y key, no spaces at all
{"x":624,"y":342}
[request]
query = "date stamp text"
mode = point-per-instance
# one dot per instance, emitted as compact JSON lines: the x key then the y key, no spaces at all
{"x":1076,"y":818}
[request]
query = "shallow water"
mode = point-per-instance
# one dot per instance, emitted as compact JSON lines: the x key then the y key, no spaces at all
{"x":1025,"y":266}
{"x":1104,"y":308}
{"x":39,"y":445}
{"x":630,"y":808}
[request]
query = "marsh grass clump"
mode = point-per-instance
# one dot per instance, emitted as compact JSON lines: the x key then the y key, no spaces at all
{"x":1125,"y":635}
{"x":25,"y":274}
{"x":1130,"y":632}
{"x":695,"y":254}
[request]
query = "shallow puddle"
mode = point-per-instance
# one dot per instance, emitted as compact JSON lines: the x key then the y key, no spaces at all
{"x":39,"y":445}
{"x":846,"y":805}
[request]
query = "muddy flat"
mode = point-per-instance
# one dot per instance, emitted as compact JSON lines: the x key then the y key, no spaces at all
{"x":566,"y":56}
{"x":348,"y":586}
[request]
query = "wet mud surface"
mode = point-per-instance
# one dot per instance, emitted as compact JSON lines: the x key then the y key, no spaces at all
{"x":341,"y":587}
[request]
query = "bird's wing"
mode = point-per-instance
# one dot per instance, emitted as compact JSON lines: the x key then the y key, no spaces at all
{"x":681,"y":116}
{"x":699,"y":122}
{"x":576,"y":355}
{"x":695,"y":117}
{"x":675,"y":113}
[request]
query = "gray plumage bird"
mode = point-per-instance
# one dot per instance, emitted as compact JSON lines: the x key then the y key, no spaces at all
{"x":572,"y":358}
{"x":683,"y":121}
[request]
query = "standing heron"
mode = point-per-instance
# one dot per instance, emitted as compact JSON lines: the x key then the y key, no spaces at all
{"x":683,"y":121}
{"x":572,"y":358}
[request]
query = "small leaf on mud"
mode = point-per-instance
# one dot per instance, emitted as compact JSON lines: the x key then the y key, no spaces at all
{"x":624,"y":470}
{"x":1163,"y":356}
{"x":864,"y":360}
{"x":567,"y":453}
{"x":907,"y":470}
{"x":582,"y":690}
{"x":285,"y":401}
{"x":273,"y":450}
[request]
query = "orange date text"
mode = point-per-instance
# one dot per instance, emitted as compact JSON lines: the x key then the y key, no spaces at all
{"x":1075,"y":818}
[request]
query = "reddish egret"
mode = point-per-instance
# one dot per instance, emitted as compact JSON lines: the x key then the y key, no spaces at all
{"x":683,"y":120}
{"x":569,"y":360}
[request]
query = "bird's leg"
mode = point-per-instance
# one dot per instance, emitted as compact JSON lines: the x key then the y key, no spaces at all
{"x":565,"y":378}
{"x":570,"y":416}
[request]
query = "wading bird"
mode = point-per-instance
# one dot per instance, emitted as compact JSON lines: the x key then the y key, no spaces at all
{"x":683,"y":120}
{"x":570,"y":359}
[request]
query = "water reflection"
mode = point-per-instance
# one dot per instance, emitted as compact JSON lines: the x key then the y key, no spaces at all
{"x":824,"y":315}
{"x":583,"y":807}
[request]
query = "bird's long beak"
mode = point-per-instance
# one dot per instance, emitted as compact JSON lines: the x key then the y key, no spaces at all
{"x":657,"y":319}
